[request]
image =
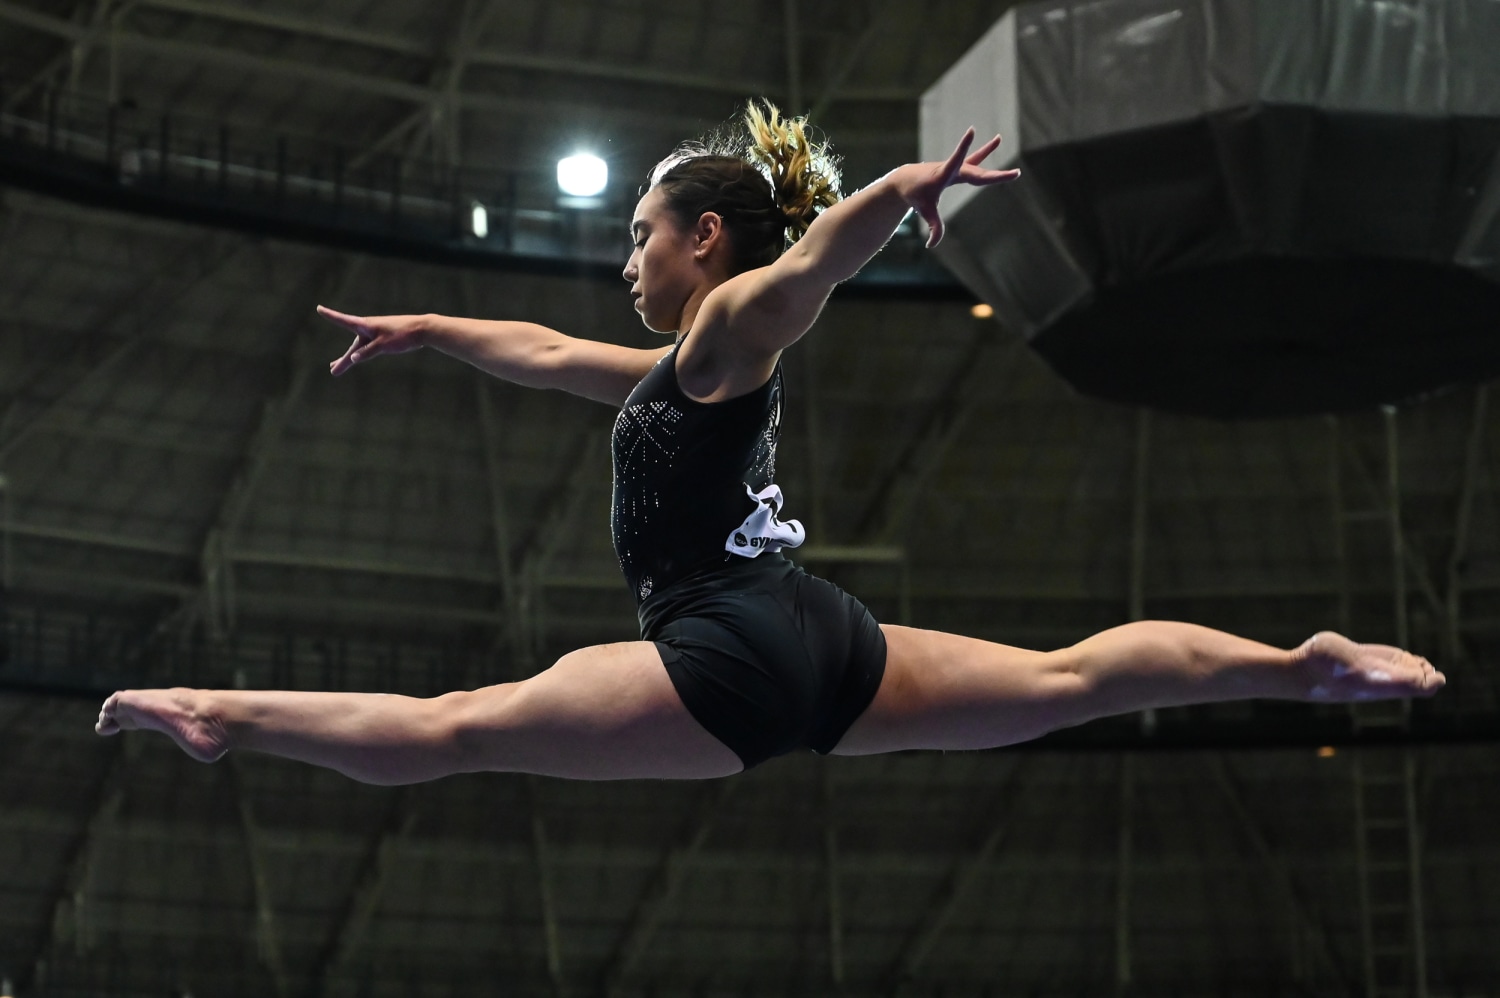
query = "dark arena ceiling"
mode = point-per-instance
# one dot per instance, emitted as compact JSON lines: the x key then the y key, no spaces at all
{"x":189,"y":500}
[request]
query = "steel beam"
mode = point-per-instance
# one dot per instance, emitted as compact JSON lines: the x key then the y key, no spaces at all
{"x":957,"y":883}
{"x":1398,"y":535}
{"x":661,"y":888}
{"x":792,"y":27}
{"x":1139,"y":508}
{"x":513,"y":600}
{"x":444,"y":81}
{"x":834,"y":894}
{"x":332,"y":76}
{"x":892,"y":499}
{"x":72,"y":58}
{"x":1311,"y":924}
{"x":1125,"y":855}
{"x":1414,"y":843}
{"x":851,"y":59}
{"x":1473,"y":459}
{"x":1140,"y":499}
{"x":267,"y":939}
{"x":1386,"y":496}
{"x":606,"y":582}
{"x":542,"y":860}
{"x":217,"y":540}
{"x":353,"y":919}
{"x":403,"y":45}
{"x":813,"y":434}
{"x":7,"y":551}
{"x":1344,"y":610}
{"x":70,"y":896}
{"x":412,"y":93}
{"x":129,"y":307}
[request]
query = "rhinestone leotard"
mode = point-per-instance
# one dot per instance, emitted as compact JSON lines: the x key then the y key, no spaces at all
{"x":685,"y":478}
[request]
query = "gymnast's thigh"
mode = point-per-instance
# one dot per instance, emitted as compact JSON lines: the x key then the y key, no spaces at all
{"x":947,"y":691}
{"x":607,"y":712}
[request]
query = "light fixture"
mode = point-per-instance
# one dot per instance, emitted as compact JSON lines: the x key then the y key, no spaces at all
{"x":479,"y":220}
{"x":982,"y":311}
{"x":1327,"y":752}
{"x":583,"y":175}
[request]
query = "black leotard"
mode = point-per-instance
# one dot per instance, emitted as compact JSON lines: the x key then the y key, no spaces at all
{"x":765,"y":656}
{"x":693,"y":480}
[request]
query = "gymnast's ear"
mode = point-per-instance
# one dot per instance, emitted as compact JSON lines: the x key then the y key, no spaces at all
{"x":709,"y":235}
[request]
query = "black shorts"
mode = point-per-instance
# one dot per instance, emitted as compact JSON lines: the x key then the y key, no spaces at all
{"x":767,"y":657}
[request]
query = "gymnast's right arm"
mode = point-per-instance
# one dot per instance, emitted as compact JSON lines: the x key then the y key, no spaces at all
{"x":521,"y":352}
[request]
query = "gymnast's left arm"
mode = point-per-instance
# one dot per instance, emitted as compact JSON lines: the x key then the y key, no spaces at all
{"x":771,"y":307}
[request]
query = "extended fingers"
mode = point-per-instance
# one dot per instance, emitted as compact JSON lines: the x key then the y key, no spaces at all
{"x":983,"y":178}
{"x":349,"y":359}
{"x":338,"y":318}
{"x":983,"y":151}
{"x":956,"y":161}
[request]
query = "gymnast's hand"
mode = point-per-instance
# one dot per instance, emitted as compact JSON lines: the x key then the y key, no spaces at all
{"x":921,"y":183}
{"x":375,"y":335}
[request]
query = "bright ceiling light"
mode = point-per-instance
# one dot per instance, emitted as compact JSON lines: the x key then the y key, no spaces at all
{"x":982,"y":311}
{"x":583,"y":175}
{"x":479,"y":220}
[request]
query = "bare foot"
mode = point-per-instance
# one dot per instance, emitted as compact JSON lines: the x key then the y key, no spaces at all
{"x":1341,"y":671}
{"x":179,"y":713}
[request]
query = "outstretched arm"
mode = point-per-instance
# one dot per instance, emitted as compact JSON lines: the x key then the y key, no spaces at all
{"x":521,"y":352}
{"x":768,"y":309}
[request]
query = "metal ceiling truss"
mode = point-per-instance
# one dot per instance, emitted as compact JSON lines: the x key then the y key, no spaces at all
{"x":131,"y":318}
{"x":895,"y":494}
{"x":515,"y":603}
{"x":1311,"y":923}
{"x":957,"y":883}
{"x":852,"y":56}
{"x":1463,"y":517}
{"x":352,"y":922}
{"x":835,"y":904}
{"x":425,"y":97}
{"x":1124,"y":879}
{"x":442,"y":112}
{"x":661,"y":888}
{"x":546,"y":895}
{"x":68,"y":924}
{"x":268,"y":940}
{"x":215,"y":600}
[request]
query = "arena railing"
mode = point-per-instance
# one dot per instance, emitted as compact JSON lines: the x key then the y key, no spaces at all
{"x":83,"y":148}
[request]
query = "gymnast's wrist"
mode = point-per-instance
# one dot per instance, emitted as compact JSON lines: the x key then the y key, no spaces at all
{"x":427,"y":328}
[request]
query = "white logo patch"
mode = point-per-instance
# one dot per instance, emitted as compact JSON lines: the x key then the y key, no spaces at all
{"x":761,"y":531}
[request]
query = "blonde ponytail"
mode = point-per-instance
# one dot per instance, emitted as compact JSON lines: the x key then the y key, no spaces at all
{"x":804,"y":175}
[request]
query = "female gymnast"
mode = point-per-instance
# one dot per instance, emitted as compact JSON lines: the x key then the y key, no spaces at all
{"x":743,"y":655}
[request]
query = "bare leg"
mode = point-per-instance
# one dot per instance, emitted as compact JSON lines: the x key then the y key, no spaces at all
{"x":608,"y":712}
{"x":952,"y":692}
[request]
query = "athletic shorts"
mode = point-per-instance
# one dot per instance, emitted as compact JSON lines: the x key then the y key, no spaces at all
{"x":768,"y":658}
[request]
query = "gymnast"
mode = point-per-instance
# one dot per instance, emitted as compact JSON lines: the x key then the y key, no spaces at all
{"x":743,"y":655}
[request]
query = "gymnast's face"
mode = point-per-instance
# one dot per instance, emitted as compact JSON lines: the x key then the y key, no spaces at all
{"x":669,"y":264}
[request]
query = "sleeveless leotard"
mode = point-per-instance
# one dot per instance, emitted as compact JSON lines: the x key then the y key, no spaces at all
{"x":765,"y":656}
{"x":693,"y":480}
